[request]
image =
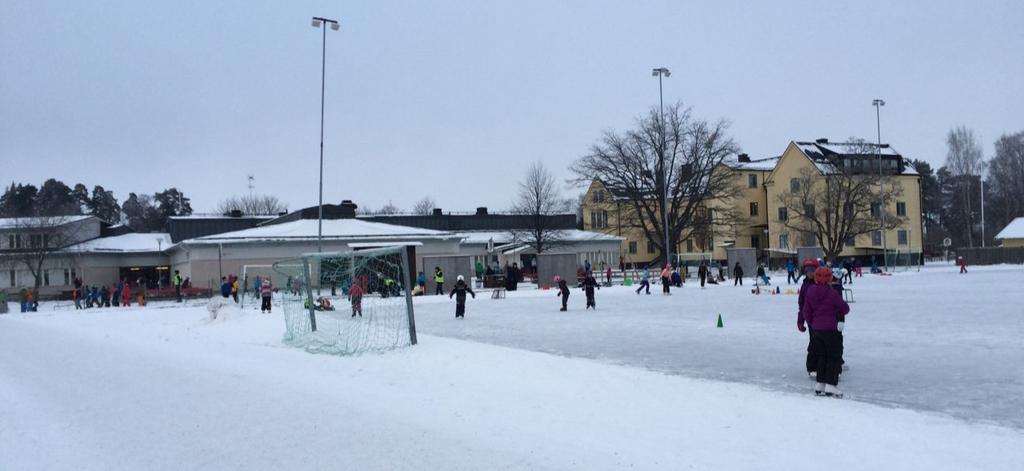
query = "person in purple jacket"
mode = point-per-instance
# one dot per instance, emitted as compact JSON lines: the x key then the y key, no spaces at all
{"x":809,"y":266}
{"x":821,"y":310}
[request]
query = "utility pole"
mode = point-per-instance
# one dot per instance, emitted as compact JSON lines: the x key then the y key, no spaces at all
{"x":660,"y":73}
{"x":878,"y":103}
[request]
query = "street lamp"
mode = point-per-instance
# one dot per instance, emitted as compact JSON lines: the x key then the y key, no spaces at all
{"x":663,"y":72}
{"x":317,"y":23}
{"x":878,"y":103}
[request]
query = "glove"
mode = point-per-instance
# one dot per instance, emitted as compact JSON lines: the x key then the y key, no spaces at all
{"x":800,"y":327}
{"x":839,"y":326}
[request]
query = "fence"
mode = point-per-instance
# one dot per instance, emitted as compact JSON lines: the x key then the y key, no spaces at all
{"x":992,"y":255}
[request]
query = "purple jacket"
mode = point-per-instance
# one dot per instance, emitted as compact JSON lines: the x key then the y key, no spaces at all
{"x":822,"y":307}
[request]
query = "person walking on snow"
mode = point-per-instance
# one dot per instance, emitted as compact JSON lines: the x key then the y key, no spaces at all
{"x":666,"y":274}
{"x":809,"y":267}
{"x":563,"y":291}
{"x":737,"y":275}
{"x":266,"y":292}
{"x":589,"y":284}
{"x":459,"y":291}
{"x":645,"y":282}
{"x":176,"y":280}
{"x":791,"y":275}
{"x":355,"y":295}
{"x":963,"y":264}
{"x":439,"y":281}
{"x":702,"y":273}
{"x":822,"y":309}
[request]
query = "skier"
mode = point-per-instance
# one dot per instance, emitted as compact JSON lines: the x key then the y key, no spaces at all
{"x":821,"y":310}
{"x":266,"y":292}
{"x":737,"y":275}
{"x":963,"y":264}
{"x":459,"y":291}
{"x":791,"y":275}
{"x":439,"y":280}
{"x":645,"y":283}
{"x":666,"y":274}
{"x":589,"y":283}
{"x":702,"y":273}
{"x":761,"y":274}
{"x":563,"y":291}
{"x":177,"y":284}
{"x":355,"y":295}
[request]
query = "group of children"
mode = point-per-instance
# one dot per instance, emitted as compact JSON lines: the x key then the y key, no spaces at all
{"x":119,"y":295}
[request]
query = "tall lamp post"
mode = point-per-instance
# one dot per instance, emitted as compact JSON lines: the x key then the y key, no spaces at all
{"x":660,"y":73}
{"x":318,"y":23}
{"x":878,"y":104}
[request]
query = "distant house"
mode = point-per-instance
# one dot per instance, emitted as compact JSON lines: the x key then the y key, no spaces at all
{"x":1013,"y":234}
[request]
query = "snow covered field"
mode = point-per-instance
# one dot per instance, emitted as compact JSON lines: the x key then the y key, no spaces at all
{"x":164,"y":388}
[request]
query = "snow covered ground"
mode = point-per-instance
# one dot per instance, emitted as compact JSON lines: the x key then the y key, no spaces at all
{"x":932,"y":340}
{"x":163,"y":388}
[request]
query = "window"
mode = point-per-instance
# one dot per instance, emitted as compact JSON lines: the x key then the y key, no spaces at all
{"x":784,"y":241}
{"x":35,"y":240}
{"x":876,"y":238}
{"x":632,"y":246}
{"x":753,"y":208}
{"x":10,"y":241}
{"x":599,"y":196}
{"x":17,"y":241}
{"x":755,"y":242}
{"x":689,"y":245}
{"x":809,"y":240}
{"x":901,"y":208}
{"x":851,"y":241}
{"x":67,"y":277}
{"x":794,"y":185}
{"x":876,"y":210}
{"x":599,"y":219}
{"x":783,"y":214}
{"x":752,"y":180}
{"x":901,"y":237}
{"x":651,"y":248}
{"x":809,"y":211}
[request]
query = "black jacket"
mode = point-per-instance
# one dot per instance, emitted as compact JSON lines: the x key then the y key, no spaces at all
{"x":459,"y":291}
{"x":563,"y":287}
{"x":589,"y":283}
{"x":737,"y":271}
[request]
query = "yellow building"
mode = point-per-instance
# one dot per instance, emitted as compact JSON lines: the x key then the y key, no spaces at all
{"x":756,"y":203}
{"x":1013,"y":234}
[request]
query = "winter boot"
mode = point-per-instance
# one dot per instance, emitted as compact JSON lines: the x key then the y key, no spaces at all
{"x":819,"y":389}
{"x":832,"y":391}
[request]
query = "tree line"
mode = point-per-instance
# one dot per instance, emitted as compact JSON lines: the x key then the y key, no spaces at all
{"x":141,"y":212}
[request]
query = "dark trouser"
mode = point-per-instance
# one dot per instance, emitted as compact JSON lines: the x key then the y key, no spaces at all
{"x":460,"y":310}
{"x":565,"y":301}
{"x":702,"y":278}
{"x":963,"y":269}
{"x":234,"y":296}
{"x":664,"y":285}
{"x":590,"y":301}
{"x":265,"y":305}
{"x":737,"y":281}
{"x":848,"y":276}
{"x":439,"y":289}
{"x":827,"y":347}
{"x":644,"y":285}
{"x":791,"y":276}
{"x":177,"y":292}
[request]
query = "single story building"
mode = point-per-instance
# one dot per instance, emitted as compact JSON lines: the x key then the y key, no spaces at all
{"x":1013,"y":234}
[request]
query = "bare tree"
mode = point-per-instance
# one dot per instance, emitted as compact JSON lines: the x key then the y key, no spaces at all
{"x":388,"y":209}
{"x":254,"y":205}
{"x":964,"y":159}
{"x":635,"y":164}
{"x":1006,"y":180}
{"x":539,"y":199}
{"x":41,"y":239}
{"x":424,"y":206}
{"x":836,"y":201}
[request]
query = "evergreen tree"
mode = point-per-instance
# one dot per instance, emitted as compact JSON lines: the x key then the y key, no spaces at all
{"x":18,"y":201}
{"x":55,"y":199}
{"x":81,"y":196}
{"x":104,"y":205}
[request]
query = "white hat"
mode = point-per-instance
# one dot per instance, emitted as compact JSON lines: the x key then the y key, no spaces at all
{"x":460,"y":278}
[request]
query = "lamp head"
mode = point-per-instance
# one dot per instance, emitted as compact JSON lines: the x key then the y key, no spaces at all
{"x":316,"y":23}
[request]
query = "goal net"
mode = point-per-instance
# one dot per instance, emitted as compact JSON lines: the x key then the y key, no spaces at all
{"x":363,"y":305}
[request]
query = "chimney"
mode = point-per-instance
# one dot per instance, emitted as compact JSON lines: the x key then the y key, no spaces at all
{"x":823,"y":140}
{"x":744,"y":158}
{"x":347,"y":209}
{"x":436,"y":212}
{"x":235,"y":213}
{"x":481,"y":211}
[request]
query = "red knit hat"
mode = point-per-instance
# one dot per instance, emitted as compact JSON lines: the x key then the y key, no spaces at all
{"x":822,"y":276}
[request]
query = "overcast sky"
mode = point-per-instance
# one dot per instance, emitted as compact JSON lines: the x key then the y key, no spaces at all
{"x":455,"y":99}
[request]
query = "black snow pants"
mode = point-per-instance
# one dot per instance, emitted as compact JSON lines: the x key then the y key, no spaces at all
{"x":737,"y":281}
{"x":590,"y":300}
{"x":664,"y":285}
{"x":644,"y":285}
{"x":460,"y":310}
{"x":791,"y":276}
{"x":439,"y":289}
{"x":265,"y":305}
{"x":565,"y":301}
{"x":827,"y":347}
{"x":702,"y":278}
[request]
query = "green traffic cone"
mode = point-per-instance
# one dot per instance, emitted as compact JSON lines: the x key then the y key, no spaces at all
{"x":720,"y":321}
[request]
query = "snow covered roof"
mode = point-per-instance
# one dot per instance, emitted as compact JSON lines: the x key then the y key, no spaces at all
{"x":333,"y":229}
{"x":504,"y":237}
{"x":221,"y":216}
{"x":1013,"y":230}
{"x":12,"y":223}
{"x":766,"y":164}
{"x":826,"y":155}
{"x":126,"y":243}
